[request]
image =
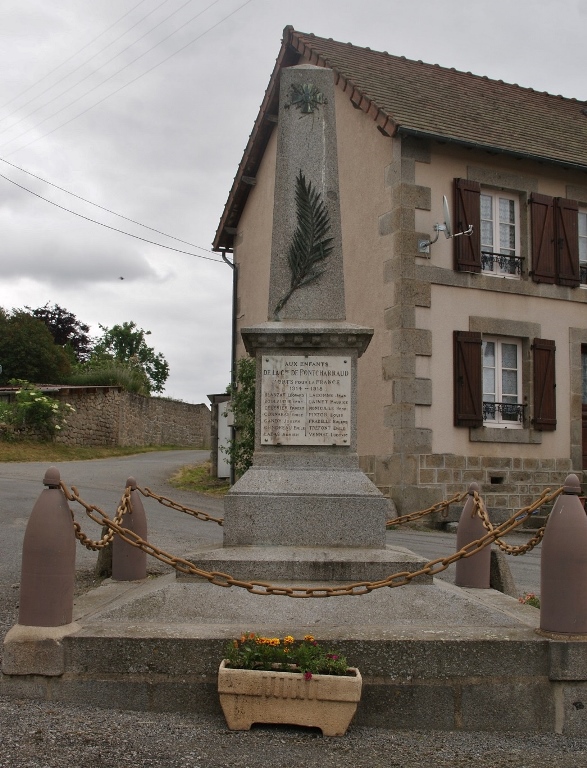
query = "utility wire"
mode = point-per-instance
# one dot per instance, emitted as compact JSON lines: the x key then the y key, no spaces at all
{"x":108,"y":210}
{"x":90,"y":74}
{"x":122,"y":70}
{"x":73,"y":55}
{"x":107,"y":226}
{"x":87,"y":61}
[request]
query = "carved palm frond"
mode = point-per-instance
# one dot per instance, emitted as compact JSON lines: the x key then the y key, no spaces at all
{"x":310,"y":245}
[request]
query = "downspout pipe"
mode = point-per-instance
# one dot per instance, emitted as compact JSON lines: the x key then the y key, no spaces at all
{"x":234,"y":268}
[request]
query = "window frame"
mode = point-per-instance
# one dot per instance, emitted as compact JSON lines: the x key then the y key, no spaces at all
{"x":499,"y":422}
{"x":498,"y":266}
{"x":582,"y":216}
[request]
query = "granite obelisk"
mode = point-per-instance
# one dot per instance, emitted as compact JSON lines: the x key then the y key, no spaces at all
{"x":305,"y":488}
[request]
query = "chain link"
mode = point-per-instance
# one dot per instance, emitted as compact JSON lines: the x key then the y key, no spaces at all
{"x":123,"y":507}
{"x":441,"y":506}
{"x":221,"y":579}
{"x":148,"y":493}
{"x":521,"y":549}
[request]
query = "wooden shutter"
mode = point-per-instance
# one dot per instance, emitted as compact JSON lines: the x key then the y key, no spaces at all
{"x":566,"y":230}
{"x":467,"y":250}
{"x":543,"y":250}
{"x":468,"y":392}
{"x":544,"y":385}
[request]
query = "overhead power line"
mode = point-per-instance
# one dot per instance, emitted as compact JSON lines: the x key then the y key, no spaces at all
{"x":90,"y":74}
{"x":121,"y":70}
{"x":73,"y":55}
{"x":76,"y":69}
{"x":107,"y":226}
{"x":103,"y":208}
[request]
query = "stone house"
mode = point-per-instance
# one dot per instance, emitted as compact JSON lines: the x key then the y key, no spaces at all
{"x":477,"y":368}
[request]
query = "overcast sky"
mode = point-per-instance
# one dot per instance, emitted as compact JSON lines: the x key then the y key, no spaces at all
{"x":160,"y":140}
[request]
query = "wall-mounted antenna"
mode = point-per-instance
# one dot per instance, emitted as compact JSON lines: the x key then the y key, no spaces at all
{"x":424,"y":245}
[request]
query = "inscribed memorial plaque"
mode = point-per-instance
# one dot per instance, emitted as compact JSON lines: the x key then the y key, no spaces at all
{"x":305,"y":400}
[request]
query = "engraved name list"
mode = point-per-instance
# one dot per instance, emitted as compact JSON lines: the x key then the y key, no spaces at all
{"x":305,"y":400}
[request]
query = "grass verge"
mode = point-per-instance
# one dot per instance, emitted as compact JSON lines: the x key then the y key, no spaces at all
{"x":33,"y":451}
{"x":197,"y":477}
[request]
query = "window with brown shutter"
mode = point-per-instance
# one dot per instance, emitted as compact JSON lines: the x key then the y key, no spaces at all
{"x":468,"y":398}
{"x":544,"y":385}
{"x":543,"y":251}
{"x":467,"y":250}
{"x":566,"y":231}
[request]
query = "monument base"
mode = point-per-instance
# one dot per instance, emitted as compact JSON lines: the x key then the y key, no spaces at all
{"x":323,"y":507}
{"x":307,"y":564}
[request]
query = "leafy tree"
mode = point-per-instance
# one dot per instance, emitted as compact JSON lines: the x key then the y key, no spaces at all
{"x":126,"y":344}
{"x":66,"y":329}
{"x":27,"y":350}
{"x":242,"y":404}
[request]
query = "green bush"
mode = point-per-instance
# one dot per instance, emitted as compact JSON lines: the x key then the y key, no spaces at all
{"x":32,"y":413}
{"x":242,"y":404}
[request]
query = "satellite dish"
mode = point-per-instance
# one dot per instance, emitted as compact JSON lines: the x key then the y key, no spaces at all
{"x":447,"y":226}
{"x":424,"y":245}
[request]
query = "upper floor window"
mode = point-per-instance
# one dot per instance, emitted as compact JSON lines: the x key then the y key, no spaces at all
{"x":583,"y":247}
{"x":499,"y":234}
{"x":494,"y":245}
{"x":502,"y":380}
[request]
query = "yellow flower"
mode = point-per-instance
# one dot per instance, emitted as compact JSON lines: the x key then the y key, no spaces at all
{"x":288,"y":640}
{"x":309,"y":638}
{"x":275,"y":641}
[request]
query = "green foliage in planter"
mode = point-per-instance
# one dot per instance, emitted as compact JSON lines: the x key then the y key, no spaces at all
{"x":253,"y":651}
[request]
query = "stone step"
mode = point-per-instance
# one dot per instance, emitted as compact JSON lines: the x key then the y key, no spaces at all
{"x":308,"y":564}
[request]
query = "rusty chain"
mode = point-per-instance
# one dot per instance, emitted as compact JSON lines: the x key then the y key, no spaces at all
{"x":198,"y":514}
{"x":441,"y":506}
{"x":480,"y":510}
{"x":123,"y":507}
{"x":221,"y":579}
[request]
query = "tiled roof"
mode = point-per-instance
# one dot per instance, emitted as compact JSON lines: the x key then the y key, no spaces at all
{"x":405,"y":96}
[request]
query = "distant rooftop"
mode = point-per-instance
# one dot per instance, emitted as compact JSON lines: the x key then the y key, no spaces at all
{"x":414,"y":98}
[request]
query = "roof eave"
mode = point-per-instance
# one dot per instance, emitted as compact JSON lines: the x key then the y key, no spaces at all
{"x":492,"y":148}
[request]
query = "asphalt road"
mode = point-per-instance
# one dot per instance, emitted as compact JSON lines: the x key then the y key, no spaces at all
{"x":102,"y":482}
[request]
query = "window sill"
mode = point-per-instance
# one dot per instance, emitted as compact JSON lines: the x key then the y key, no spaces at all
{"x":504,"y":435}
{"x":497,"y":274}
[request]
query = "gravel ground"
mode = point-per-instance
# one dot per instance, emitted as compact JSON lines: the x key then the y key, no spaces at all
{"x":49,"y":736}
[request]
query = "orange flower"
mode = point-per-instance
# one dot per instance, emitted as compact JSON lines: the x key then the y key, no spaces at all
{"x":309,"y":638}
{"x":288,"y":640}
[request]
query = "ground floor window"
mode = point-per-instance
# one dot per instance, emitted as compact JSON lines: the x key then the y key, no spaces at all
{"x":502,"y":382}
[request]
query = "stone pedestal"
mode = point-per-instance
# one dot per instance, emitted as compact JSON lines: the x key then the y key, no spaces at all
{"x":305,"y":487}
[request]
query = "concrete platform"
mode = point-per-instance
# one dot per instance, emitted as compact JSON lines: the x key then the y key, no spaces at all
{"x":432,"y":656}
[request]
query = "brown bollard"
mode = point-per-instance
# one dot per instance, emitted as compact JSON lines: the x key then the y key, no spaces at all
{"x":130,"y":563}
{"x":48,"y":560}
{"x":472,"y":571}
{"x":563,"y":565}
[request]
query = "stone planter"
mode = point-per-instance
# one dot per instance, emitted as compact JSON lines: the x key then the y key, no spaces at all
{"x":250,"y":696}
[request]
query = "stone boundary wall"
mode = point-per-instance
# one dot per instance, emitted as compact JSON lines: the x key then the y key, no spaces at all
{"x":112,"y":416}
